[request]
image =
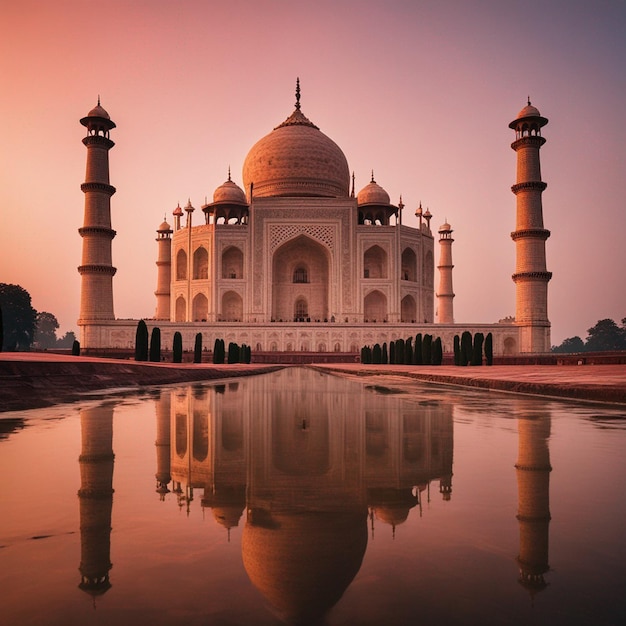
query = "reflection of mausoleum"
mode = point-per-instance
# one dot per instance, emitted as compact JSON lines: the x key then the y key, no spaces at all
{"x":307,"y":463}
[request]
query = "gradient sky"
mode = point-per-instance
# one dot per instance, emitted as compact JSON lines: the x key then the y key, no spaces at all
{"x":419,"y":91}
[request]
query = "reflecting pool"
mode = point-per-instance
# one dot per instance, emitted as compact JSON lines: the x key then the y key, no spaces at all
{"x":302,"y":498}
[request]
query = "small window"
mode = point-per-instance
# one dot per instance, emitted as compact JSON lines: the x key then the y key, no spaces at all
{"x":300,"y":275}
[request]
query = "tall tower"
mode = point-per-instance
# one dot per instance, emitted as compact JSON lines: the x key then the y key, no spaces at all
{"x":445,"y":294}
{"x":530,"y":277}
{"x":164,"y":271}
{"x":96,"y":269}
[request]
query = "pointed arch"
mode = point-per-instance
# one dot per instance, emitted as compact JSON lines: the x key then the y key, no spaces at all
{"x":200,"y":264}
{"x":375,"y":306}
{"x":232,"y":263}
{"x":409,"y":265}
{"x":181,"y":310}
{"x":200,"y":308}
{"x":181,"y":265}
{"x":232,"y":307}
{"x":375,"y":263}
{"x":408,"y":309}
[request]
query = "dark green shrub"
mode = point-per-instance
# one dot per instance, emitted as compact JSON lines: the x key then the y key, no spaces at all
{"x":399,"y":351}
{"x":392,"y":352}
{"x":377,"y":354}
{"x":155,"y":345}
{"x":141,"y":341}
{"x":427,"y":350}
{"x":477,"y":350}
{"x":197,"y":349}
{"x":76,"y":348}
{"x":177,"y":348}
{"x":467,"y":347}
{"x":385,"y":357}
{"x":437,"y":352}
{"x":408,"y":351}
{"x":233,"y":352}
{"x":457,"y":350}
{"x":417,"y":352}
{"x":219,"y":352}
{"x":489,"y":349}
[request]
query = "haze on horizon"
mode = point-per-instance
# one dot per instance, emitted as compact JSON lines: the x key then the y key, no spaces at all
{"x":420,"y":93}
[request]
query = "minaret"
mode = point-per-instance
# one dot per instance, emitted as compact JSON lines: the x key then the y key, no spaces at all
{"x":96,"y":498}
{"x":164,"y":271}
{"x":530,"y":277}
{"x":533,"y":487}
{"x":445,"y":295}
{"x":96,"y":269}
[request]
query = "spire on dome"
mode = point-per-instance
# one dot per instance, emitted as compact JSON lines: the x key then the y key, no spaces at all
{"x":352,"y":194}
{"x":229,"y":174}
{"x":372,"y":181}
{"x":529,"y":104}
{"x":298,"y":93}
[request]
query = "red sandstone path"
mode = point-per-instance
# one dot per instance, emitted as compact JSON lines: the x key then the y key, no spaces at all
{"x":31,"y":379}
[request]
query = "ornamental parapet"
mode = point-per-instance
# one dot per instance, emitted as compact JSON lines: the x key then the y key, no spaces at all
{"x":97,"y":230}
{"x":533,"y":233}
{"x":522,"y":276}
{"x":104,"y":187}
{"x":535,"y":141}
{"x":529,"y":185}
{"x":97,"y":269}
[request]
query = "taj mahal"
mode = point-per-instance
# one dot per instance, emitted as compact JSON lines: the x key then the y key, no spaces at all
{"x":296,"y":260}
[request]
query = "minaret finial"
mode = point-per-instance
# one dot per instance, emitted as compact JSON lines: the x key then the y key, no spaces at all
{"x":229,"y":174}
{"x":298,"y":93}
{"x":352,"y":194}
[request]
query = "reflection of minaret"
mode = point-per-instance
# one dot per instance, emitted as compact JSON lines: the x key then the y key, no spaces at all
{"x":96,"y":498}
{"x":533,"y":487}
{"x":163,"y":475}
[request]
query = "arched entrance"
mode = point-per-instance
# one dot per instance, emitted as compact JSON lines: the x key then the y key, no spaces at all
{"x":375,"y":307}
{"x":300,"y":271}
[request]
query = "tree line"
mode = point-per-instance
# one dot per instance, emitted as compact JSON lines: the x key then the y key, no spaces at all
{"x":425,"y":350}
{"x":605,"y":336}
{"x":148,"y":347}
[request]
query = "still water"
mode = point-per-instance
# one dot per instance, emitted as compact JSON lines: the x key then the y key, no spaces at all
{"x":297,"y":497}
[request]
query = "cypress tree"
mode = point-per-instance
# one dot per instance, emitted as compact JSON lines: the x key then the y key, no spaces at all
{"x":248,"y":354}
{"x":377,"y":354}
{"x":141,"y":342}
{"x":233,"y":352}
{"x":466,"y":347}
{"x":437,"y":352}
{"x":75,"y":348}
{"x":385,"y":357}
{"x":489,"y":349}
{"x":155,"y":345}
{"x":408,"y":351}
{"x":427,"y":350}
{"x":477,"y":350}
{"x":197,"y":349}
{"x":177,"y":348}
{"x":218,"y":351}
{"x":399,"y":351}
{"x":457,"y":350}
{"x":417,"y":353}
{"x":392,"y":352}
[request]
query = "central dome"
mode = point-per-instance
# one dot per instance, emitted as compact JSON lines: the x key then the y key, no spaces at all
{"x":296,"y":159}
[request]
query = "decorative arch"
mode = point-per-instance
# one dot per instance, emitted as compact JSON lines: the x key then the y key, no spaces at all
{"x":200,"y":264}
{"x":408,"y":309}
{"x":232,"y":263}
{"x":409,"y":265}
{"x":375,"y":263}
{"x":232,"y":307}
{"x":301,"y":309}
{"x":375,"y":306}
{"x":181,"y":265}
{"x":200,"y":308}
{"x":181,"y":310}
{"x":293,"y":256}
{"x":510,"y":346}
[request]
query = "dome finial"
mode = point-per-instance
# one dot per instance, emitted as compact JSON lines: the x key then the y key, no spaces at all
{"x":98,"y":99}
{"x":229,"y":174}
{"x":298,"y":93}
{"x":352,"y":194}
{"x":372,"y":181}
{"x":529,"y":101}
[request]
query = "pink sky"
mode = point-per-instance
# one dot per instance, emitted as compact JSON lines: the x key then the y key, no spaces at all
{"x":420,"y":92}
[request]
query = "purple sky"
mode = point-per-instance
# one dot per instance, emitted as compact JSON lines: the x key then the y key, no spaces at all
{"x":419,"y":91}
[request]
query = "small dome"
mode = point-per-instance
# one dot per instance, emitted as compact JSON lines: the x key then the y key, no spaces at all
{"x":528,"y":111}
{"x":229,"y":193}
{"x":372,"y":193}
{"x":531,"y":113}
{"x":98,"y":111}
{"x":177,"y":211}
{"x":445,"y":227}
{"x":164,"y":227}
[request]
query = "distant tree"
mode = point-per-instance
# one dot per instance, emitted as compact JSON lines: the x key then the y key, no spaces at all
{"x":19,"y":318}
{"x":45,"y":330}
{"x":477,"y":349}
{"x":141,"y":341}
{"x":75,"y":348}
{"x":197,"y":349}
{"x":457,"y":350}
{"x":155,"y":345}
{"x":570,"y":345}
{"x":606,"y":335}
{"x":177,"y":348}
{"x":489,"y":349}
{"x":67,"y":341}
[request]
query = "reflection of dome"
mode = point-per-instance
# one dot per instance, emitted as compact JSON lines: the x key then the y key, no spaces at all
{"x":303,"y":563}
{"x":393,"y":515}
{"x":229,"y":193}
{"x":296,"y":159}
{"x":228,"y":516}
{"x":373,"y":193}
